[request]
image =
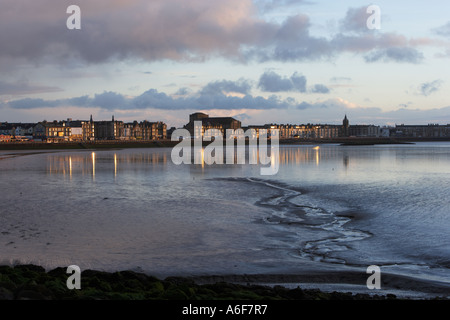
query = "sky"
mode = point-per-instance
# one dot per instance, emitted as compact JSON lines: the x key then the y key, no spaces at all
{"x":259,"y":61}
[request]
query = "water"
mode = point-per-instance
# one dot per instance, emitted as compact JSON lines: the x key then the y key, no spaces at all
{"x":330,"y":207}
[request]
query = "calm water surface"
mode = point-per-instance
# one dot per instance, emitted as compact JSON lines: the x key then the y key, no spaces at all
{"x":329,"y":207}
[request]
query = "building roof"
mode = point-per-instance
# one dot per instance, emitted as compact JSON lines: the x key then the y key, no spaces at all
{"x":217,"y":120}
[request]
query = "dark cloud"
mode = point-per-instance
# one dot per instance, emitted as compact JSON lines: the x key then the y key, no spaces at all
{"x":225,"y":86}
{"x":82,"y":101}
{"x":388,"y":47}
{"x":298,"y":82}
{"x":443,"y":30}
{"x":395,"y":54}
{"x":355,"y":20}
{"x":313,"y":111}
{"x":320,"y":88}
{"x":109,"y":100}
{"x":172,"y":30}
{"x":428,"y":88}
{"x":293,"y":42}
{"x":270,"y":81}
{"x":273,"y":82}
{"x":183,"y":91}
{"x":305,"y":105}
{"x":356,"y":37}
{"x":29,"y":103}
{"x":153,"y":99}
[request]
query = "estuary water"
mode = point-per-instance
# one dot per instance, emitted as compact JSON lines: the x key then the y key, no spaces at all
{"x":329,"y":207}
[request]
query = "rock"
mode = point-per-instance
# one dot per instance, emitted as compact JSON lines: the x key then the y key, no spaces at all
{"x":5,"y":294}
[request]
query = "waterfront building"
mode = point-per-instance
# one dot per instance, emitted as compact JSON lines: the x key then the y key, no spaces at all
{"x":153,"y":130}
{"x":219,"y":123}
{"x":422,"y":131}
{"x":108,"y":130}
{"x":88,"y":128}
{"x":364,"y":131}
{"x":57,"y":131}
{"x":5,"y":138}
{"x":345,"y":127}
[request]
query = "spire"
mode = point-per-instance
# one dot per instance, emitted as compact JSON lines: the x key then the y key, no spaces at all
{"x":345,"y":125}
{"x":113,"y":118}
{"x":91,"y":118}
{"x":345,"y":122}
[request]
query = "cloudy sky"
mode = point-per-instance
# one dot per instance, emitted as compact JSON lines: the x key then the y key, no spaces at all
{"x":261,"y":61}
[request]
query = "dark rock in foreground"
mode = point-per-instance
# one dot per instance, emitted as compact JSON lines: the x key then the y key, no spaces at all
{"x":30,"y":282}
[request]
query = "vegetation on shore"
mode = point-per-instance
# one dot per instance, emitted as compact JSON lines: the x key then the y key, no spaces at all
{"x":31,"y":282}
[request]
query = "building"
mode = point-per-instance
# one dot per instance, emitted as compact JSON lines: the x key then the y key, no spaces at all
{"x":83,"y":130}
{"x":153,"y":130}
{"x":24,"y":130}
{"x":364,"y":131}
{"x":422,"y":131}
{"x":76,"y":130}
{"x":306,"y":131}
{"x":39,"y":132}
{"x":5,"y":138}
{"x":57,"y":131}
{"x":18,"y":130}
{"x":170,"y":131}
{"x":88,"y":128}
{"x":127,"y":132}
{"x":6,"y":129}
{"x":345,"y":127}
{"x":257,"y":129}
{"x":108,"y":130}
{"x":220,"y":123}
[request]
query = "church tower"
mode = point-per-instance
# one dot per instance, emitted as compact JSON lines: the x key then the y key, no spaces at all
{"x":345,"y":127}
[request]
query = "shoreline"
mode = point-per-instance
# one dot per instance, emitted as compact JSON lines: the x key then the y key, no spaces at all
{"x":346,"y":141}
{"x":33,"y":282}
{"x":354,"y":282}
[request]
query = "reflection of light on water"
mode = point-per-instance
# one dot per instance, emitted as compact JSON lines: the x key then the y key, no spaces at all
{"x":115,"y":164}
{"x":70,"y":167}
{"x":86,"y":163}
{"x":93,"y":165}
{"x":273,"y":158}
{"x":317,"y":148}
{"x":203,"y":158}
